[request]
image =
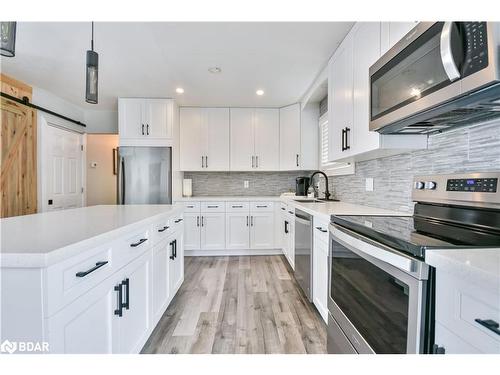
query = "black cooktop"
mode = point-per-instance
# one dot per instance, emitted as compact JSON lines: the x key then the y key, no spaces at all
{"x":414,"y":235}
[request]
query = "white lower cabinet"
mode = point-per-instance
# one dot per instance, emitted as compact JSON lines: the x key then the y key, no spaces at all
{"x":160,"y":276}
{"x":320,"y":270}
{"x":213,"y":231}
{"x":192,"y":239}
{"x":261,"y":230}
{"x":175,"y":264}
{"x":237,"y":230}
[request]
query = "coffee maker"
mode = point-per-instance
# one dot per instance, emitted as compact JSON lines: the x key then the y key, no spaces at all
{"x":301,"y":186}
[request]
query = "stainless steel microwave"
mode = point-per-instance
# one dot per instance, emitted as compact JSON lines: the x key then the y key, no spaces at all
{"x":439,"y":76}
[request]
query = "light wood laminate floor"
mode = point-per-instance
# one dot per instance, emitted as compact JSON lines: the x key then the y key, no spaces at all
{"x":240,"y":304}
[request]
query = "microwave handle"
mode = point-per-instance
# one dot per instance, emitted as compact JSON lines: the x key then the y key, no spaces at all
{"x":449,"y":65}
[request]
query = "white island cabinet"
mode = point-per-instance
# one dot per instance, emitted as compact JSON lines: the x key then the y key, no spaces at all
{"x":90,"y":280}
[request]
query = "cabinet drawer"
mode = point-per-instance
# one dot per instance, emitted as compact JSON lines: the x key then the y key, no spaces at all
{"x":177,"y":223}
{"x":459,"y":303}
{"x":262,"y":206}
{"x":320,"y":230}
{"x":237,"y":206}
{"x":68,"y":280}
{"x":191,"y":206}
{"x":213,"y":206}
{"x":161,"y":230}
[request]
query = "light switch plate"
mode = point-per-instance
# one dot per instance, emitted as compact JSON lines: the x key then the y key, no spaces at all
{"x":369,"y":184}
{"x":245,"y":184}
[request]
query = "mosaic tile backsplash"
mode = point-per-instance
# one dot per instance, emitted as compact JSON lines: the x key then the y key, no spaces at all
{"x":471,"y":149}
{"x":231,"y":183}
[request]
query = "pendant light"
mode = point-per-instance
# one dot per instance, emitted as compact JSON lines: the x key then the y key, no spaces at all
{"x":91,"y":73}
{"x":8,"y":39}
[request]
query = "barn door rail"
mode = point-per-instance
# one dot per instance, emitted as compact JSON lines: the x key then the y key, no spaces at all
{"x":25,"y":101}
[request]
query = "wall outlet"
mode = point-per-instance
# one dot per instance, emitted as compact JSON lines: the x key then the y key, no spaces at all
{"x":369,"y":184}
{"x":245,"y":184}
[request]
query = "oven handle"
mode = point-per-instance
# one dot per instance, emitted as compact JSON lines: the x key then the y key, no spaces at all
{"x":449,"y":65}
{"x":360,"y":247}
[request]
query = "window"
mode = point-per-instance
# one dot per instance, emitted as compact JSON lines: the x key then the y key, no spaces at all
{"x":323,"y":141}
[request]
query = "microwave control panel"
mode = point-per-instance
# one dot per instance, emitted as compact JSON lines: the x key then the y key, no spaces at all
{"x":475,"y":47}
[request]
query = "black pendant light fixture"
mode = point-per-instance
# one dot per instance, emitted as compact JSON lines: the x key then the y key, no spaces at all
{"x":91,"y":72}
{"x":8,"y":39}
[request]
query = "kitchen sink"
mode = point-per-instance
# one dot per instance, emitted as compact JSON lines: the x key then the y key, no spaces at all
{"x":318,"y":200}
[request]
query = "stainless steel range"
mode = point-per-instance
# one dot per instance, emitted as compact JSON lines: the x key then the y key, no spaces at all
{"x":381,"y":291}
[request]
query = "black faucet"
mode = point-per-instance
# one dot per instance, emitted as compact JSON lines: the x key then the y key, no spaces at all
{"x":327,"y":192}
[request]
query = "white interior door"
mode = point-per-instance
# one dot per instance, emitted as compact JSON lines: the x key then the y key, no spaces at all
{"x":62,"y":169}
{"x":267,"y":138}
{"x":242,"y":139}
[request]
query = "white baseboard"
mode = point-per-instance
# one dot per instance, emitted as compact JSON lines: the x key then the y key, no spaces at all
{"x":232,"y":252}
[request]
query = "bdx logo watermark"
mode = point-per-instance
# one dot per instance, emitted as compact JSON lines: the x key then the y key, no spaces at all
{"x":24,"y":347}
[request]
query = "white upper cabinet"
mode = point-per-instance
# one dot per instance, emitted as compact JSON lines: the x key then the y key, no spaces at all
{"x":393,"y":32}
{"x":242,"y":139}
{"x":267,"y":135}
{"x":145,"y":122}
{"x":204,"y":139}
{"x":349,"y":100}
{"x":254,"y":139}
{"x":290,"y":137}
{"x":340,"y":103}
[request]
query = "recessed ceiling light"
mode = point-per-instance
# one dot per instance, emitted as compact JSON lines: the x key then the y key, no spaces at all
{"x":179,"y":90}
{"x":259,"y":92}
{"x":214,"y":69}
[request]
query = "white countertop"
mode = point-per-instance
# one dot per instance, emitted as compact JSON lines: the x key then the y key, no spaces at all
{"x":480,"y":266}
{"x":228,"y":198}
{"x":42,"y":239}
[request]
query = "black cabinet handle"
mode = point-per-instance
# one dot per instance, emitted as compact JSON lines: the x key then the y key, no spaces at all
{"x":197,"y":221}
{"x":297,"y":160}
{"x":237,"y":206}
{"x":343,"y":139}
{"x":291,"y":212}
{"x":251,"y":221}
{"x":286,"y":226}
{"x":175,"y":248}
{"x":247,"y":220}
{"x":147,"y":129}
{"x":283,"y":208}
{"x":140,"y":242}
{"x":321,"y":229}
{"x":489,"y":324}
{"x":216,"y":206}
{"x":96,"y":267}
{"x":202,"y":160}
{"x":172,"y":257}
{"x":163,"y":229}
{"x":126,"y":283}
{"x":177,"y":221}
{"x":347,"y":145}
{"x":202,"y":221}
{"x":142,"y":129}
{"x":190,"y":206}
{"x":262,"y":206}
{"x":119,"y":310}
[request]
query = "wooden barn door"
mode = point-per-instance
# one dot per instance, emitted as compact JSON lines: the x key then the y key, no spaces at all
{"x":18,"y":163}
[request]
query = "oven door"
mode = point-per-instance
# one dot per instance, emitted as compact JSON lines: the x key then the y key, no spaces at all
{"x":427,"y":67}
{"x":376,"y":296}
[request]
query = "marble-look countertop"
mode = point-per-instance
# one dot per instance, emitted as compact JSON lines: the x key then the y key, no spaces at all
{"x":480,"y":266}
{"x":42,"y":239}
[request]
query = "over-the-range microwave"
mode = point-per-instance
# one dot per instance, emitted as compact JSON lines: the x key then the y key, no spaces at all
{"x":439,"y":76}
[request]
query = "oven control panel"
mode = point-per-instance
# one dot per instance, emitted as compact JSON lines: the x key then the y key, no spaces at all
{"x":485,"y":185}
{"x":468,"y":188}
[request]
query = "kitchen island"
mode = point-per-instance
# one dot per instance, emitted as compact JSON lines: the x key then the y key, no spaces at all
{"x":89,"y":280}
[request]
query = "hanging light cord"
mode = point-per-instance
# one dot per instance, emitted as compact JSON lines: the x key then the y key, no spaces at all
{"x":92,"y":40}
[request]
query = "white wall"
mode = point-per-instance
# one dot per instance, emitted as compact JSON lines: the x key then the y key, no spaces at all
{"x":101,"y":121}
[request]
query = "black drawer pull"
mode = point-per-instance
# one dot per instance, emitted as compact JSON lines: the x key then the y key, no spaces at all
{"x":126,"y":283}
{"x":190,"y":206}
{"x":140,"y":242}
{"x":321,"y":229}
{"x":237,"y":206}
{"x":177,"y":221}
{"x":213,"y":206}
{"x":119,"y":310}
{"x":163,"y":229}
{"x":291,"y":212}
{"x":96,"y":267}
{"x":262,"y":206}
{"x":489,"y":324}
{"x":284,"y":209}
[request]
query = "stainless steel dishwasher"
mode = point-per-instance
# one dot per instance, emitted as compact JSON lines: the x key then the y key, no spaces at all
{"x":303,"y":251}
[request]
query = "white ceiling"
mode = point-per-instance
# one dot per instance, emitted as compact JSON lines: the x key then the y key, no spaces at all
{"x":152,"y":59}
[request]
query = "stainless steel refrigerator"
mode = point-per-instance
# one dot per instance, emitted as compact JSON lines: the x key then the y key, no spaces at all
{"x":144,"y":175}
